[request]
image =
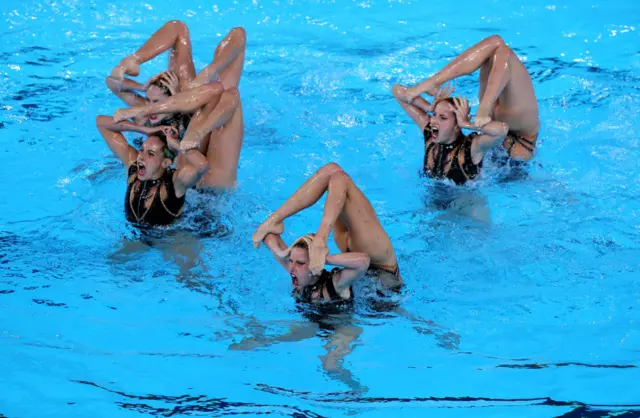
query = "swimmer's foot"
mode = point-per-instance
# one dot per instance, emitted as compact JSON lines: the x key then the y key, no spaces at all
{"x":267,"y":227}
{"x":412,"y":93}
{"x":433,"y":90}
{"x":128,"y":65}
{"x":127,"y":113}
{"x":482,"y":117}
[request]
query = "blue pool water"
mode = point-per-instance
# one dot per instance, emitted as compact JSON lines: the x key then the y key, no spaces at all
{"x":522,"y":296}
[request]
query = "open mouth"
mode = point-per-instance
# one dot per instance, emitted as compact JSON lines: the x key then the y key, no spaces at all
{"x":142,"y":170}
{"x":434,"y":132}
{"x":153,"y":118}
{"x":294,"y":280}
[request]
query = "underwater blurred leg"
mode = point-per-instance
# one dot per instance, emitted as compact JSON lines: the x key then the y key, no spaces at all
{"x":338,"y":347}
{"x":298,"y":331}
{"x":183,"y":248}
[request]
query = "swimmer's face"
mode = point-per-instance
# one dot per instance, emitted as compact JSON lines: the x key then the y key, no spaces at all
{"x":299,"y":268}
{"x":156,"y":94}
{"x":151,"y":159}
{"x":443,"y":123}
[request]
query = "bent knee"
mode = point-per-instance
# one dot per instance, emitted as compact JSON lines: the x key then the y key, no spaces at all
{"x":496,"y":40}
{"x":239,"y":34}
{"x":339,"y":176}
{"x":179,"y":26}
{"x":330,"y":169}
{"x":231,"y":97}
{"x":232,"y":92}
{"x":215,"y":88}
{"x":398,"y":90}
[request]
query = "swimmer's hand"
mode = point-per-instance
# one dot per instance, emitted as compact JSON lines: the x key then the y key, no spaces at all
{"x":171,"y":134}
{"x":318,"y":253}
{"x":168,"y":79}
{"x":461,"y":110}
{"x":442,"y":92}
{"x":265,"y":228}
{"x":152,"y":79}
{"x":128,"y":65}
{"x":126,"y":113}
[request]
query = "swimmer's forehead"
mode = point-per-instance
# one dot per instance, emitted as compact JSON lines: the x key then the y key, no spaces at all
{"x":444,"y":106}
{"x":299,"y":254}
{"x":152,"y":144}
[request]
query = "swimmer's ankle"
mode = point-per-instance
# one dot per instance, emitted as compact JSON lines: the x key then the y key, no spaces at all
{"x":322,"y":234}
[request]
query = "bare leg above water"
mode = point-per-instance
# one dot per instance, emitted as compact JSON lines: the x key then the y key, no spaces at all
{"x":503,"y":78}
{"x":173,"y":35}
{"x":308,"y":194}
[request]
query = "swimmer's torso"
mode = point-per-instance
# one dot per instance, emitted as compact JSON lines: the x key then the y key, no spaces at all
{"x":323,"y":290}
{"x":451,"y":161}
{"x":152,"y":202}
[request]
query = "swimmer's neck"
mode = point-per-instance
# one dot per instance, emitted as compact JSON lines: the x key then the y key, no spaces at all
{"x":157,"y":176}
{"x":450,"y":141}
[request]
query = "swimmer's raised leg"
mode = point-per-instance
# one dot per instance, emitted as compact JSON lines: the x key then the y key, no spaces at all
{"x":223,"y":145}
{"x":503,"y":77}
{"x":347,"y":206}
{"x":360,"y":226}
{"x":308,"y":194}
{"x":466,"y":63}
{"x":221,"y":140}
{"x":228,"y":61}
{"x":172,"y":35}
{"x":183,"y":102}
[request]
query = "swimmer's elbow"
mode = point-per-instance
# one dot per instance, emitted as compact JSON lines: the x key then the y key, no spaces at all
{"x":102,"y":121}
{"x":203,"y":167}
{"x":365,"y":261}
{"x":504,"y":130}
{"x":112,"y":84}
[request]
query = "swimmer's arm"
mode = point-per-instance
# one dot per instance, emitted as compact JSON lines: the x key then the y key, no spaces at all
{"x":490,"y":135}
{"x":124,"y":85}
{"x":229,"y":49}
{"x":116,"y":141}
{"x":354,"y":266}
{"x":127,"y":126}
{"x":276,"y":245}
{"x":191,"y":172}
{"x":417,"y":109}
{"x":125,"y":90}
